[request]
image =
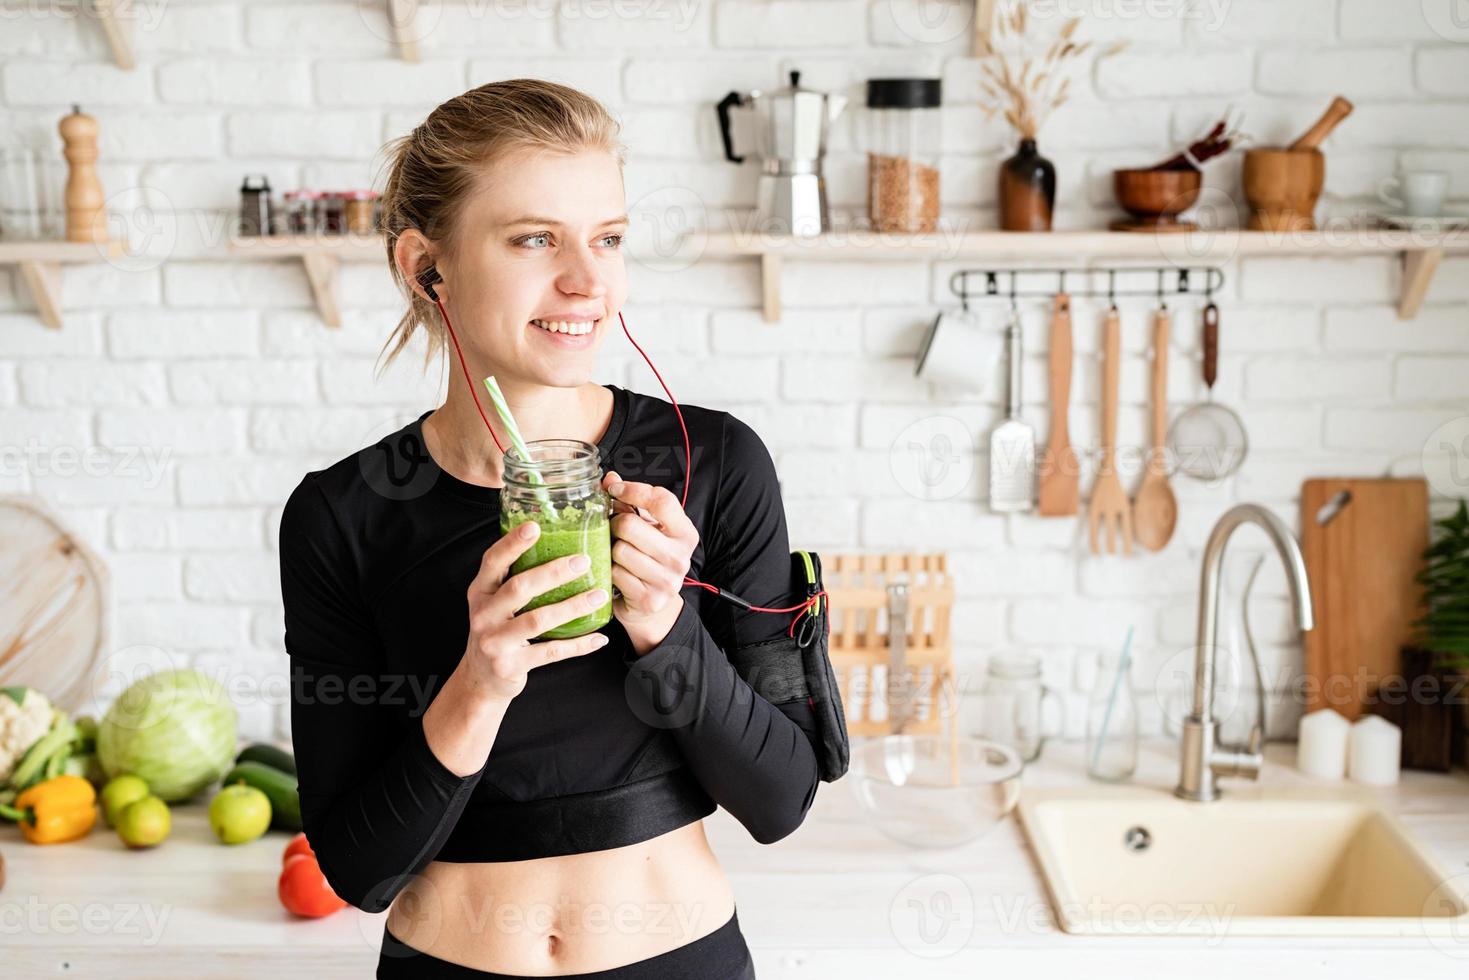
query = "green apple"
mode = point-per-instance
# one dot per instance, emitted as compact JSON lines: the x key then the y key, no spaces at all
{"x":119,"y":792}
{"x":239,"y":813}
{"x":145,"y":822}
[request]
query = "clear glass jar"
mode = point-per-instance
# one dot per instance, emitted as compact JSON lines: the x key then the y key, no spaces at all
{"x":1111,"y":721}
{"x":904,"y":138}
{"x":333,"y":212}
{"x":1013,"y":704}
{"x":360,"y":211}
{"x":301,"y":216}
{"x":575,"y":515}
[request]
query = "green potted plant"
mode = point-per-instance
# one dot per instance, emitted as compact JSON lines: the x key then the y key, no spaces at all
{"x":1445,"y":625}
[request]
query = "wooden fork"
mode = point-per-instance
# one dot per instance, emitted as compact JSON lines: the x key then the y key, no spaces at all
{"x":1109,"y":504}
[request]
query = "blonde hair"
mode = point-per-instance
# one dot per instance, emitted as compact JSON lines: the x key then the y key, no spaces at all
{"x":433,"y":169}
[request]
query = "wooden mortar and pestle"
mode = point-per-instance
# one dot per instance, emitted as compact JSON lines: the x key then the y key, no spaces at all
{"x":1282,"y":186}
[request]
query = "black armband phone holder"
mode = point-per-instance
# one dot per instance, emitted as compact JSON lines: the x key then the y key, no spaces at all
{"x":792,"y":672}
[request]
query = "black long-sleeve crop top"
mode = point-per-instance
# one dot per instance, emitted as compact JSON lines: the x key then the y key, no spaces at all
{"x":376,"y":555}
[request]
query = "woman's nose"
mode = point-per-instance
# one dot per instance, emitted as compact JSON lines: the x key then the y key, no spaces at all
{"x":582,"y":274}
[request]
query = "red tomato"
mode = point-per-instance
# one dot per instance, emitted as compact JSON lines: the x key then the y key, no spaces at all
{"x":303,"y":889}
{"x":298,"y":845}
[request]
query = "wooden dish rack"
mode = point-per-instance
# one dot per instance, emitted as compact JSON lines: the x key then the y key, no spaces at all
{"x":891,"y":645}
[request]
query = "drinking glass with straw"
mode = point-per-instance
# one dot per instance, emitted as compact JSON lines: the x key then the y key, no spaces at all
{"x":508,"y":421}
{"x":1117,"y":732}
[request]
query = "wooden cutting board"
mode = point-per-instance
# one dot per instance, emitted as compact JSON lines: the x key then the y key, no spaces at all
{"x":53,"y":605}
{"x":1361,"y":563}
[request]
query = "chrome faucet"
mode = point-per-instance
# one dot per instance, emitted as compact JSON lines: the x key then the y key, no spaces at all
{"x":1203,"y":759}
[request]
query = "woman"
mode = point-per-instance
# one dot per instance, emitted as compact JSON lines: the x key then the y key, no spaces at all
{"x":532,"y":808}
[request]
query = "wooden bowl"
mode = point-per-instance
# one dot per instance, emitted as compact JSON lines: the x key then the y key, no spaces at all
{"x":1155,"y":198}
{"x":1282,"y":187}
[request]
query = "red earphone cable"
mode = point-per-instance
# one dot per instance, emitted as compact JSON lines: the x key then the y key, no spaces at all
{"x":804,"y":607}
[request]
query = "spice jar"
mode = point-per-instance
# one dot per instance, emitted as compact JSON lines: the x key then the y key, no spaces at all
{"x":332,"y":211}
{"x":904,"y":136}
{"x":360,"y":211}
{"x":301,"y":218}
{"x":560,"y":488}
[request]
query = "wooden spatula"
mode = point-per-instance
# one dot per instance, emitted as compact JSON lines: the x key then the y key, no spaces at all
{"x":1155,"y":511}
{"x":1109,"y":504}
{"x":1059,"y":472}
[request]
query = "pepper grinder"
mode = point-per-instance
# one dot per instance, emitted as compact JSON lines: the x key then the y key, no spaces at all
{"x":85,"y":215}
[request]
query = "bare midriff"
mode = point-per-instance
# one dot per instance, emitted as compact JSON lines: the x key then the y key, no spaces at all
{"x":574,"y":913}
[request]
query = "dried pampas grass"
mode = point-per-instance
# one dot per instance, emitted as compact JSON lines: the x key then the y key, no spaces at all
{"x":1025,"y":93}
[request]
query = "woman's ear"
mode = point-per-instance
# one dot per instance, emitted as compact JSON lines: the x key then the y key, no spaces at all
{"x":414,"y":256}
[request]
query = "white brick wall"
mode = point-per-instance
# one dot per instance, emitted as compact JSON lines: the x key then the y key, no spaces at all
{"x":218,"y":374}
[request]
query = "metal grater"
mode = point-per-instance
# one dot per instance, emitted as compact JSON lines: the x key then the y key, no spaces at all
{"x":1012,"y":444}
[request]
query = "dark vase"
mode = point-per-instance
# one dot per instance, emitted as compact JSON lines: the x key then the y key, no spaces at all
{"x":1027,"y":190}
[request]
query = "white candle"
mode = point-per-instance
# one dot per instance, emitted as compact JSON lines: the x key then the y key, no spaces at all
{"x":1321,"y":750}
{"x":1377,"y":748}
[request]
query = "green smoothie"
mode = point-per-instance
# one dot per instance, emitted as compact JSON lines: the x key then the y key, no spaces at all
{"x":579,"y":528}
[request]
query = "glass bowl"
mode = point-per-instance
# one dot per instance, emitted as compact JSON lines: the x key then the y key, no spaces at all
{"x":934,"y":791}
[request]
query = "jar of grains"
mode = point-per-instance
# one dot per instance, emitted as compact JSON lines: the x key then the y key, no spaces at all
{"x":904,"y":135}
{"x":360,"y":211}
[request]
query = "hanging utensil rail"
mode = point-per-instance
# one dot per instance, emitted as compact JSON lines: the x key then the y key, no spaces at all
{"x":1187,"y":281}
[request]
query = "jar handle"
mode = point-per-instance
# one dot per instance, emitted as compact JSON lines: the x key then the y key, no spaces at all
{"x":1050,"y":692}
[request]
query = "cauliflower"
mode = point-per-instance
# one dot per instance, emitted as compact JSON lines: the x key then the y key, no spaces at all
{"x":25,"y":715}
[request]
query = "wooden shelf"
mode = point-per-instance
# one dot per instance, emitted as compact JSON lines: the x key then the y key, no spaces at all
{"x":1421,"y":253}
{"x":40,"y":266}
{"x":322,"y":257}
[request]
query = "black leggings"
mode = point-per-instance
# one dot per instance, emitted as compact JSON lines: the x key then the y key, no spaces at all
{"x":721,"y":955}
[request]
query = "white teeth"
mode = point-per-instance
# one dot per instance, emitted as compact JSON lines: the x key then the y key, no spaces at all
{"x":558,"y":326}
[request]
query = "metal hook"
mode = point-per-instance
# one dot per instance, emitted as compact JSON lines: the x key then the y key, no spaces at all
{"x":1112,"y":288}
{"x":1162,"y":303}
{"x":1014,"y":309}
{"x":1183,"y":280}
{"x":1061,"y":286}
{"x":959,"y":286}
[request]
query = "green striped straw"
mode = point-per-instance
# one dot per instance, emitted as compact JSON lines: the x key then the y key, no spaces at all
{"x":508,"y":420}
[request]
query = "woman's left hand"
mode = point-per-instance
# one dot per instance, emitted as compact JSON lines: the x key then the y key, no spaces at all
{"x":649,"y":560}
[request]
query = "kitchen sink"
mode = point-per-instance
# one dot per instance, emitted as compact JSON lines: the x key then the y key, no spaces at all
{"x":1255,"y":862}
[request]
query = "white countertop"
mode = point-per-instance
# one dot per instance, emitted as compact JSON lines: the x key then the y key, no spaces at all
{"x":832,"y":900}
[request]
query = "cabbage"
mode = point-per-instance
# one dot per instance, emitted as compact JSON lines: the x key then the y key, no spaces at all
{"x":174,"y":729}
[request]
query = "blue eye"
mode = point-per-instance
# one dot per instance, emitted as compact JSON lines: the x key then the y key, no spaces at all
{"x":616,"y":239}
{"x":530,"y":238}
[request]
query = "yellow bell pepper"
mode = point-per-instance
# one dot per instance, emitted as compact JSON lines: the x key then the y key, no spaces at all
{"x":55,"y":810}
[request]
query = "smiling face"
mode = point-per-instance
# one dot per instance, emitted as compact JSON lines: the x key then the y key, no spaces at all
{"x":535,"y":272}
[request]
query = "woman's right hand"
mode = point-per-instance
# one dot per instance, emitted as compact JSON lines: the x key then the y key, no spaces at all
{"x":500,"y":653}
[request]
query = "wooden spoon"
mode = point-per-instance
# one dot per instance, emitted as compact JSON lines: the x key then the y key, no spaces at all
{"x":1155,"y":511}
{"x":1060,"y":473}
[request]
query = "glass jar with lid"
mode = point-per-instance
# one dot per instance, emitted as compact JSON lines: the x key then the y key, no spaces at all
{"x":904,"y":138}
{"x":360,"y":207}
{"x":560,"y":488}
{"x":301,"y":216}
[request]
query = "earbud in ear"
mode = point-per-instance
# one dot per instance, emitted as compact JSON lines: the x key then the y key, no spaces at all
{"x":426,"y":279}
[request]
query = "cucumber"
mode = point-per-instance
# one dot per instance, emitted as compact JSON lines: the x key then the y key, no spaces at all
{"x":276,"y":758}
{"x":279,"y":787}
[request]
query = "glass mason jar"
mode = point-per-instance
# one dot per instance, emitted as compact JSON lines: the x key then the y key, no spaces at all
{"x":578,"y":521}
{"x":1014,"y":704}
{"x":904,"y":137}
